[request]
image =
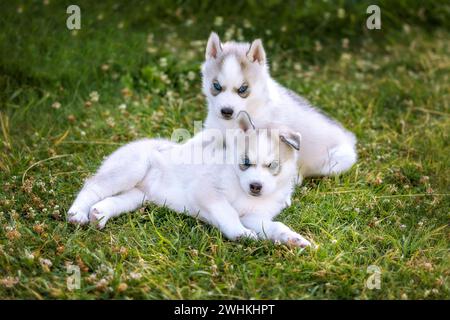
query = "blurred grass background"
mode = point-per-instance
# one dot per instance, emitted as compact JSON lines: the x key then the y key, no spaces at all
{"x":68,"y":98}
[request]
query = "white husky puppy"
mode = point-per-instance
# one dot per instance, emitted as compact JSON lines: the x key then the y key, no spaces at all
{"x":239,"y":197}
{"x":236,"y":78}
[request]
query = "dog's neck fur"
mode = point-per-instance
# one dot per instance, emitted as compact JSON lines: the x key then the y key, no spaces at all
{"x":227,"y":180}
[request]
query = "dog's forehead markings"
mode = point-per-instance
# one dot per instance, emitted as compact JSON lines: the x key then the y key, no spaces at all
{"x":231,"y":69}
{"x":266,"y":150}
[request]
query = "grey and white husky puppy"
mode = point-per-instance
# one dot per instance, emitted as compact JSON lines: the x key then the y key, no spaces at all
{"x":240,"y":196}
{"x":236,"y":78}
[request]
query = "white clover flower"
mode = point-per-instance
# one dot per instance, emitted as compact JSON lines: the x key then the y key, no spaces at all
{"x":345,"y":43}
{"x":123,"y":106}
{"x":45,"y":262}
{"x":317,"y":46}
{"x":229,"y":33}
{"x":94,"y":96}
{"x":346,"y":57}
{"x":240,"y":35}
{"x":135,"y":275}
{"x":163,"y":62}
{"x":150,"y":38}
{"x":9,"y":282}
{"x":29,"y":255}
{"x":56,"y":105}
{"x":151,"y":49}
{"x":218,"y":21}
{"x":406,"y":28}
{"x":164,"y":78}
{"x":191,"y":75}
{"x":110,"y":122}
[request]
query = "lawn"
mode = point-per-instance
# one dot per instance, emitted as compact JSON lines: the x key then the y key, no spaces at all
{"x":69,"y":98}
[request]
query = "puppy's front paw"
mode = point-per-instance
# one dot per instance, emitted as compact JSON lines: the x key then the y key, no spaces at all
{"x":296,"y":240}
{"x":98,"y":217}
{"x":284,"y":234}
{"x":248,"y":234}
{"x":77,"y":216}
{"x":243,"y":233}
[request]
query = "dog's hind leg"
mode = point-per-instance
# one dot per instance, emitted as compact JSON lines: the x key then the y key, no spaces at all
{"x":113,"y":206}
{"x":332,"y":161}
{"x":339,"y":159}
{"x":121,"y":171}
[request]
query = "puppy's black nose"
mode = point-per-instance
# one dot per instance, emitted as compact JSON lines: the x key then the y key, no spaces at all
{"x":226,"y":112}
{"x":255,"y":187}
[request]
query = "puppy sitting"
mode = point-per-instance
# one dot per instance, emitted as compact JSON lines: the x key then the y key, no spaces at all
{"x":236,"y":77}
{"x":240,"y":196}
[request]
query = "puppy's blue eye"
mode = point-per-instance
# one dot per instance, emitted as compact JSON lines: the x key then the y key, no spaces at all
{"x":242,"y":89}
{"x":217,"y":86}
{"x":274,"y":167}
{"x":245,"y":164}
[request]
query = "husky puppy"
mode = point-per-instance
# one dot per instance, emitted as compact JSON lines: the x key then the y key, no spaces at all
{"x":239,"y":197}
{"x":236,"y":78}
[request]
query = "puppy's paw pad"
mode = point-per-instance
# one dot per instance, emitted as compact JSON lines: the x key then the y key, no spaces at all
{"x":251,"y":235}
{"x":98,"y":217}
{"x":77,"y":217}
{"x":298,"y":242}
{"x":247,"y":234}
{"x":293,"y":239}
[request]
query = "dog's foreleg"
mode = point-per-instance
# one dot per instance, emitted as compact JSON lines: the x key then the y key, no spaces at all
{"x":113,"y":206}
{"x":222,"y":215}
{"x":275,"y":231}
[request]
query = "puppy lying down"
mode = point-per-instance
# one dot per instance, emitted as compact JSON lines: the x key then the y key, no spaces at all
{"x":238,"y":189}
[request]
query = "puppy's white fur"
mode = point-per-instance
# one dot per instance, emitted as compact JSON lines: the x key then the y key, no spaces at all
{"x":219,"y":194}
{"x":327,"y":148}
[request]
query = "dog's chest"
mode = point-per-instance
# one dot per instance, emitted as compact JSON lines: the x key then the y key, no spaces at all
{"x":262,"y":207}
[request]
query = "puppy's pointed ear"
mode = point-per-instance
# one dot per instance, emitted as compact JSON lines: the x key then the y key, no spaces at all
{"x":256,"y":52}
{"x":291,"y":138}
{"x":213,"y":48}
{"x":244,"y":121}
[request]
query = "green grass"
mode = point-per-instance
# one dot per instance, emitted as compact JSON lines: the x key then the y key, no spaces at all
{"x":390,"y":87}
